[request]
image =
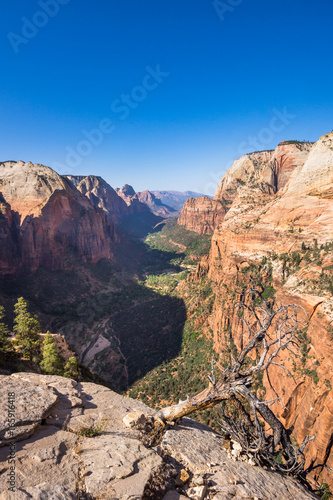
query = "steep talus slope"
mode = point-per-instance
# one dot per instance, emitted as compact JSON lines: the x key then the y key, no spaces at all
{"x":56,"y":458}
{"x":49,"y":220}
{"x":285,"y":239}
{"x":266,"y":171}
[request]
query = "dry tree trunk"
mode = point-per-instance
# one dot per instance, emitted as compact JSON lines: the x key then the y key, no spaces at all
{"x":270,"y":329}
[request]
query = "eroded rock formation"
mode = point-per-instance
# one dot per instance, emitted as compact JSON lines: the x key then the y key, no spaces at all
{"x":144,"y":201}
{"x":285,"y":233}
{"x":101,"y":195}
{"x":266,"y":171}
{"x":45,"y":221}
{"x":202,"y":214}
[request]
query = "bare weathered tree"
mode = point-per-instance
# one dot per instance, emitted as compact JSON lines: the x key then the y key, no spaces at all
{"x":268,"y":329}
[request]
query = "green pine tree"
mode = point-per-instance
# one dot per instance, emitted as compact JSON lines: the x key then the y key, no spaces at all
{"x":6,"y":347}
{"x":52,"y":362}
{"x":27,"y":329}
{"x":72,"y":368}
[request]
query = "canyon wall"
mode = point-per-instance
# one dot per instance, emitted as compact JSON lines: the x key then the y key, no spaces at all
{"x":45,"y":221}
{"x":281,"y":228}
{"x":266,"y":171}
{"x":101,"y":195}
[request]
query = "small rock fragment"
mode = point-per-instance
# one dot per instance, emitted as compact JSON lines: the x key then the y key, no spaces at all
{"x":134,"y":418}
{"x":182,"y":477}
{"x":198,"y":481}
{"x":196,"y":493}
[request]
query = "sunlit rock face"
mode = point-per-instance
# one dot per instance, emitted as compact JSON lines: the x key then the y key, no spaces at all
{"x":266,"y":171}
{"x":294,"y":214}
{"x":101,"y":195}
{"x":48,"y":221}
{"x":202,"y":214}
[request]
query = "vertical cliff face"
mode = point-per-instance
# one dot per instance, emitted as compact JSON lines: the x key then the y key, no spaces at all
{"x":47,"y":221}
{"x":265,"y":171}
{"x":286,"y":235}
{"x":9,"y":251}
{"x":101,"y":195}
{"x":202,"y":214}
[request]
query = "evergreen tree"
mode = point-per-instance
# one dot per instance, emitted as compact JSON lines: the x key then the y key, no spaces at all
{"x":72,"y":368}
{"x":5,"y":344}
{"x":52,"y":362}
{"x":27,"y":328}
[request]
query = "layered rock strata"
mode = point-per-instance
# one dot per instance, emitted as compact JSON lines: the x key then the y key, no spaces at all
{"x":266,"y":171}
{"x":287,"y":236}
{"x":45,"y":221}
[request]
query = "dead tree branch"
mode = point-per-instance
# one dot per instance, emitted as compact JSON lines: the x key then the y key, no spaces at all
{"x":270,"y":329}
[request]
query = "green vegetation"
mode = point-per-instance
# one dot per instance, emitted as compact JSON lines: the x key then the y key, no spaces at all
{"x":165,"y":284}
{"x":324,"y":492}
{"x":95,"y":429}
{"x":52,"y":362}
{"x":72,"y":368}
{"x":174,"y":238}
{"x":187,"y":372}
{"x":6,"y":347}
{"x":295,"y":142}
{"x":27,"y":329}
{"x":29,"y":350}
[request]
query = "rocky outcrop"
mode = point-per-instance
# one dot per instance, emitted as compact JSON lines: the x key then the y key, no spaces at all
{"x":202,"y":214}
{"x":101,"y":195}
{"x":281,"y":233}
{"x":55,"y":457}
{"x":144,"y":201}
{"x":47,"y":221}
{"x":265,"y":171}
{"x":155,"y":204}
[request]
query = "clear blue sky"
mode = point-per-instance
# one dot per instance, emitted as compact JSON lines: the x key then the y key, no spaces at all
{"x":229,"y":76}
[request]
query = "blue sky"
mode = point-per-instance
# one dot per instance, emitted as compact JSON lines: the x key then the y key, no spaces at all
{"x":161,"y":94}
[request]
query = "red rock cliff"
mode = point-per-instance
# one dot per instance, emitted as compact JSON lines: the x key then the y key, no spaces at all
{"x":202,"y":214}
{"x":287,"y":233}
{"x":45,"y":221}
{"x":267,"y":171}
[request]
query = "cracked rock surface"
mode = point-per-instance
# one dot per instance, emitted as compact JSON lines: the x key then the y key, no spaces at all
{"x":72,"y":444}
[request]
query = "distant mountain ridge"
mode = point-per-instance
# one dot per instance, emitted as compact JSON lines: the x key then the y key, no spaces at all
{"x":175,"y":199}
{"x":156,"y":206}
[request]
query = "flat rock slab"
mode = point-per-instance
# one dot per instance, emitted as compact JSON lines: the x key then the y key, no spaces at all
{"x":59,"y":462}
{"x":116,"y":466}
{"x":200,"y":449}
{"x":47,"y":456}
{"x":42,"y":491}
{"x":30,"y":404}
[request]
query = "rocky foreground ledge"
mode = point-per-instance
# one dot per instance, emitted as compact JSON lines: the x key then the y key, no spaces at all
{"x":53,"y":460}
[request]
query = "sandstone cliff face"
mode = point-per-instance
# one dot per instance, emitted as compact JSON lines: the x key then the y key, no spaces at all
{"x":48,"y":221}
{"x":257,"y":229}
{"x":266,"y":171}
{"x":55,"y":459}
{"x":155,"y":205}
{"x":101,"y":195}
{"x":144,"y":201}
{"x":202,"y":214}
